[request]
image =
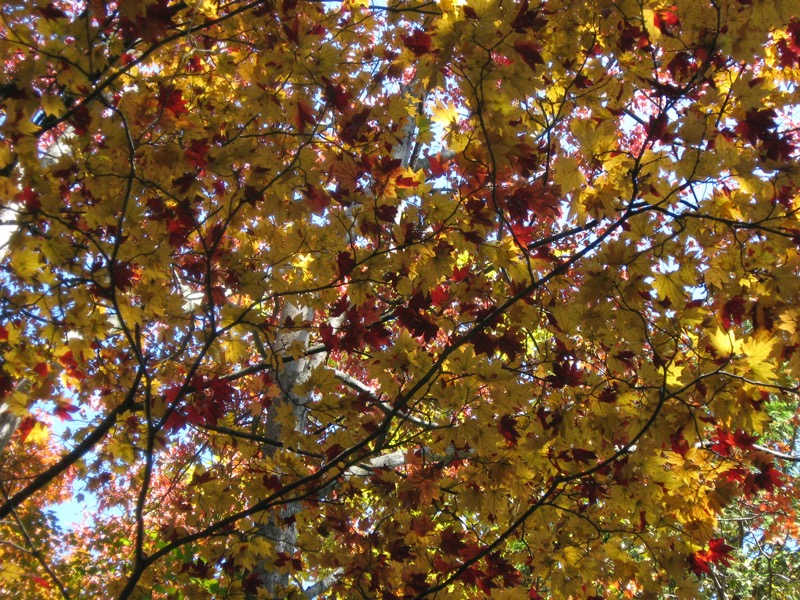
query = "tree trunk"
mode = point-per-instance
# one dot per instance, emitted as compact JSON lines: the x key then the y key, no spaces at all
{"x":8,"y":425}
{"x":280,"y":528}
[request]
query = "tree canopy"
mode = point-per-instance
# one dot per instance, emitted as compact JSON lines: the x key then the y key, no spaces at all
{"x":413,"y":299}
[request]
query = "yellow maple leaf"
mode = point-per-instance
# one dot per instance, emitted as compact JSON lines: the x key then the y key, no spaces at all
{"x":757,"y":351}
{"x":724,"y":343}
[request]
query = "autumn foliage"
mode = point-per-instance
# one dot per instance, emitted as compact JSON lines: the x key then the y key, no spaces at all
{"x":415,"y":299}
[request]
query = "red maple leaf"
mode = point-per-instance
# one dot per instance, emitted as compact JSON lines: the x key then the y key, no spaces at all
{"x":406,"y":182}
{"x":452,"y":541}
{"x":416,"y":323}
{"x":318,"y":200}
{"x":718,"y":553}
{"x":305,"y":115}
{"x":523,"y":234}
{"x":632,"y":37}
{"x":733,"y":312}
{"x":171,"y":99}
{"x":418,"y":42}
{"x":354,"y":124}
{"x":507,"y":428}
{"x":667,"y":20}
{"x":789,"y":47}
{"x":767,"y":478}
{"x":337,"y":95}
{"x":29,"y":198}
{"x":530,"y":52}
{"x":64,"y":411}
{"x":528,"y":18}
{"x":196,"y":153}
{"x":345,"y":263}
{"x":436,"y":165}
{"x":440,"y":295}
{"x":153,"y":25}
{"x":583,"y":456}
{"x":25,"y":427}
{"x":565,"y":374}
{"x":744,"y":440}
{"x":51,"y":13}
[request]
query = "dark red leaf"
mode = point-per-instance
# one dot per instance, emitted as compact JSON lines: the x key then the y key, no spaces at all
{"x":196,"y":153}
{"x":353,"y":125}
{"x":530,"y":52}
{"x":565,"y":374}
{"x":744,"y":440}
{"x":171,"y":99}
{"x":452,"y":541}
{"x":305,"y":115}
{"x":406,"y":182}
{"x":418,"y":42}
{"x":29,"y":198}
{"x":345,"y":262}
{"x":154,"y":24}
{"x":527,"y":19}
{"x":469,"y":12}
{"x":386,"y":213}
{"x":337,"y":95}
{"x":460,"y":274}
{"x":583,"y":456}
{"x":65,"y":411}
{"x":483,"y":343}
{"x":506,"y":426}
{"x":416,"y":323}
{"x":632,"y":37}
{"x":768,"y":478}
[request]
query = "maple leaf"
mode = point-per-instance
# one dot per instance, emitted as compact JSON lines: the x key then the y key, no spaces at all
{"x":337,"y":95}
{"x":565,"y":374}
{"x":305,"y":115}
{"x":171,"y":99}
{"x":718,"y":552}
{"x":345,"y":262}
{"x":530,"y":52}
{"x":667,"y":21}
{"x":733,"y":312}
{"x":506,"y":427}
{"x":51,"y":12}
{"x":65,"y":411}
{"x":151,"y":24}
{"x":25,"y":427}
{"x":354,"y":124}
{"x":452,"y":541}
{"x":417,"y":323}
{"x":767,"y":478}
{"x":29,"y":198}
{"x":528,"y":18}
{"x":196,"y":153}
{"x":418,"y":42}
{"x":789,"y":47}
{"x":583,"y":456}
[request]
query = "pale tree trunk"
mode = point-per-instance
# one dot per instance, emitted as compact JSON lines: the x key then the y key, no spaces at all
{"x":8,"y":425}
{"x":281,"y":531}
